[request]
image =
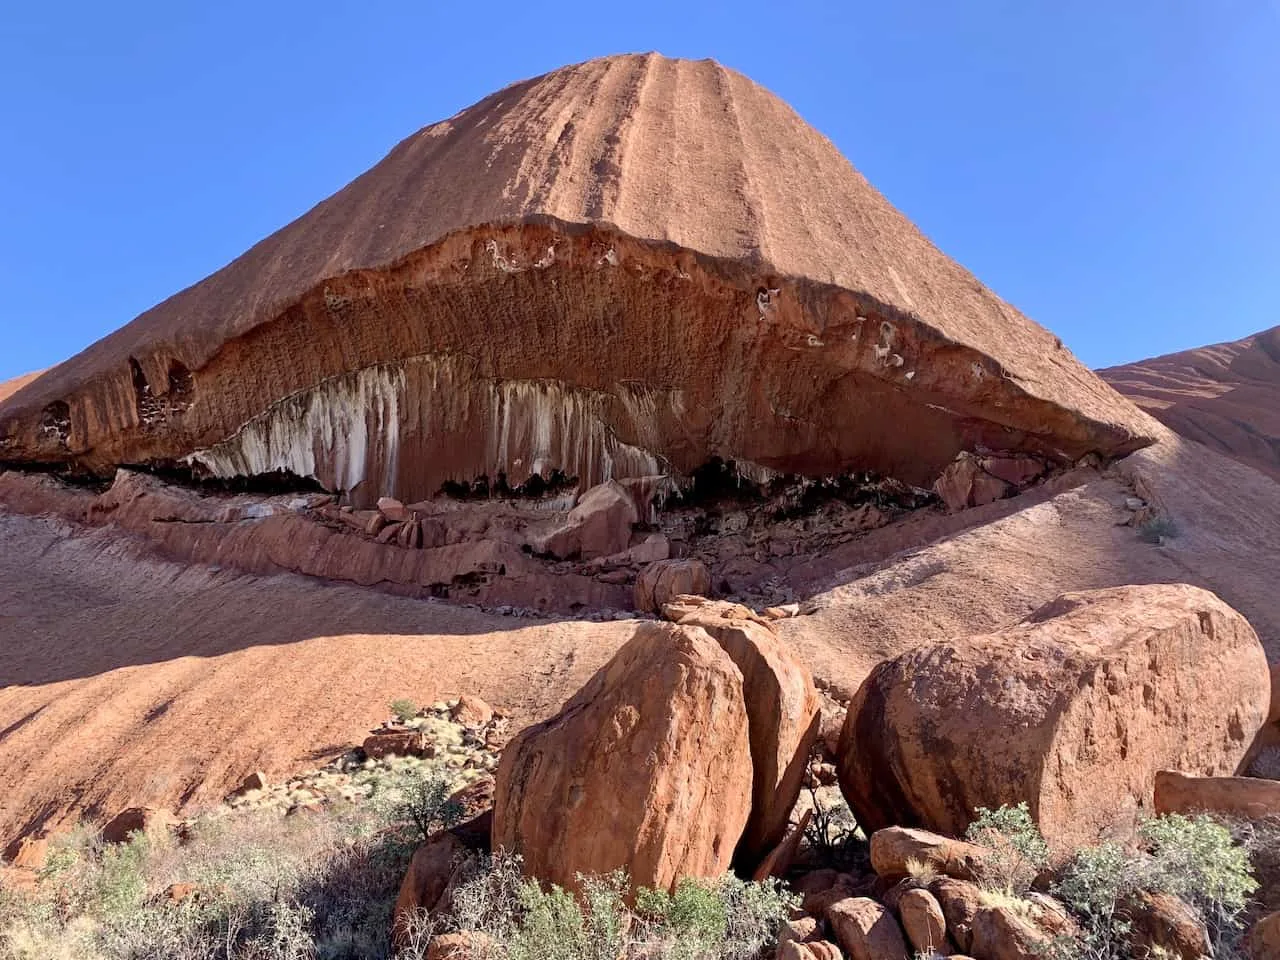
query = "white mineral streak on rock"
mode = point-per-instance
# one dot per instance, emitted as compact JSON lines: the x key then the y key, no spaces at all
{"x":349,"y":429}
{"x":540,"y":426}
{"x":327,"y":433}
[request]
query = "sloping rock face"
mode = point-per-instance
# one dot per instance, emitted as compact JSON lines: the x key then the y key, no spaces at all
{"x":619,"y":269}
{"x":1226,"y":396}
{"x":647,"y":768}
{"x":1091,"y":695}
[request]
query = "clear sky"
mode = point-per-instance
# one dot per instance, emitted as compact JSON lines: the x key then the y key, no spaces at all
{"x":1111,"y":168}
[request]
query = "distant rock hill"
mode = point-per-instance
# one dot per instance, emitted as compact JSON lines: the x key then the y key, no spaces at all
{"x":1226,"y":396}
{"x":622,"y":268}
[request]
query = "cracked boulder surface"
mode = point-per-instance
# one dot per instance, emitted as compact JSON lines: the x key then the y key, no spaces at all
{"x":622,"y":268}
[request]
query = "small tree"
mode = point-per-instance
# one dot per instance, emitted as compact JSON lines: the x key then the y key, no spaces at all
{"x":403,"y":709}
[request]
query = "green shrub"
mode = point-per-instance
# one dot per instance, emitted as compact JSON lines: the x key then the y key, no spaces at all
{"x":1197,"y":860}
{"x":418,"y":797}
{"x":1017,"y":853}
{"x":727,"y":919}
{"x":1157,"y":530}
{"x":403,"y":709}
{"x":1192,"y":858}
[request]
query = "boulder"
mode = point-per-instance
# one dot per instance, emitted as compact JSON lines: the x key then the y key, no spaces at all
{"x":809,"y":950}
{"x":177,"y":893}
{"x":799,"y":930}
{"x":409,"y":535}
{"x":471,"y":711}
{"x":783,"y":718}
{"x":1263,"y":941}
{"x":474,"y":799}
{"x":1237,"y":796}
{"x":661,"y":582}
{"x":393,"y":510}
{"x":960,"y":901}
{"x":436,"y":866}
{"x":400,"y":743}
{"x":866,"y":930}
{"x":1162,"y":925}
{"x":964,"y":483}
{"x":252,"y":781}
{"x":32,"y":853}
{"x":895,"y":849}
{"x":1001,"y":933}
{"x":643,"y":769}
{"x":818,"y":898}
{"x":598,"y":526}
{"x":1092,"y":694}
{"x":924,"y":922}
{"x":684,"y":605}
{"x":150,"y":821}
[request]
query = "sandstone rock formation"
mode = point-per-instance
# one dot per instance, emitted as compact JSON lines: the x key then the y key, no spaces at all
{"x":1226,"y":396}
{"x":923,"y":921}
{"x":150,"y":821}
{"x":646,"y":768}
{"x":1001,"y":933}
{"x":1251,"y":797}
{"x":436,"y":867}
{"x":1264,"y":938}
{"x":1092,"y":694}
{"x":663,"y":581}
{"x":782,"y":715}
{"x":866,"y":930}
{"x":619,"y":269}
{"x":893,"y":849}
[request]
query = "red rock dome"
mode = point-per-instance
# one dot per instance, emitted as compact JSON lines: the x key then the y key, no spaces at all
{"x":623,"y":267}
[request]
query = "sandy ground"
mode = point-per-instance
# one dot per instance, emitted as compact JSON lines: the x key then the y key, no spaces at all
{"x":131,"y":680}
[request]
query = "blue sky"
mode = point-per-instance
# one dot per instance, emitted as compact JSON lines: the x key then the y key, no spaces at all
{"x":1113,"y":169}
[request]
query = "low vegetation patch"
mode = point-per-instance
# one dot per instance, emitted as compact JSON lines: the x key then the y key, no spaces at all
{"x":509,"y":917}
{"x":1199,"y":860}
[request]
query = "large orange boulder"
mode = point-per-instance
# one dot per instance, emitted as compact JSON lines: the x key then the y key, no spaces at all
{"x":647,"y":768}
{"x":1073,"y":711}
{"x":783,"y":719}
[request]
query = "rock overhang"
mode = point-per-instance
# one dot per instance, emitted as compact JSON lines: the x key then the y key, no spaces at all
{"x":576,"y":330}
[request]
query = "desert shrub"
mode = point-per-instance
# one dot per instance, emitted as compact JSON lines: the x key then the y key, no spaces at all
{"x":1198,"y":860}
{"x":1157,"y":529}
{"x":729,"y":919}
{"x":694,"y":915}
{"x":1017,"y":853}
{"x":403,"y":709}
{"x":316,"y":887}
{"x":832,"y":832}
{"x":418,"y":796}
{"x":1193,"y":858}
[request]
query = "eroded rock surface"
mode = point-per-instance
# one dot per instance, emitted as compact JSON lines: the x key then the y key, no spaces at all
{"x":1226,"y":396}
{"x":619,"y":269}
{"x":1092,"y":694}
{"x":643,"y":769}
